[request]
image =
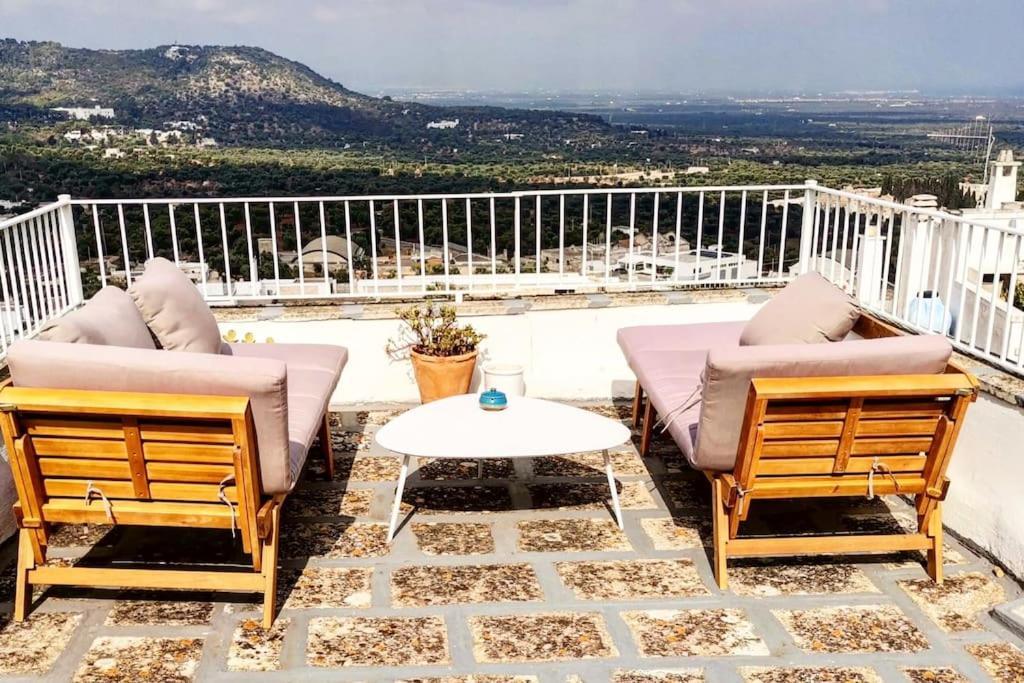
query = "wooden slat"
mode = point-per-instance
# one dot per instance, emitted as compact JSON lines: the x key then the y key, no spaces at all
{"x":46,"y":425}
{"x":814,"y":545}
{"x":146,"y":513}
{"x":866,"y":386}
{"x":848,"y":435}
{"x":87,"y":468}
{"x":133,"y":445}
{"x":243,"y":582}
{"x":842,"y":485}
{"x":180,"y":472}
{"x":85,"y":403}
{"x":795,"y":448}
{"x":178,"y":431}
{"x":80,"y":448}
{"x":114,"y":489}
{"x":855,"y":465}
{"x":812,"y":429}
{"x":188,"y":453}
{"x":807,"y":410}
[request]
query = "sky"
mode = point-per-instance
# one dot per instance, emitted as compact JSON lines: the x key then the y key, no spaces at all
{"x":578,"y":45}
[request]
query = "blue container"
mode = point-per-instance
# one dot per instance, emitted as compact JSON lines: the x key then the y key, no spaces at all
{"x":492,"y":399}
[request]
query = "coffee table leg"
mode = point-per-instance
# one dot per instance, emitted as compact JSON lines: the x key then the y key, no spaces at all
{"x":611,"y":485}
{"x":393,"y":527}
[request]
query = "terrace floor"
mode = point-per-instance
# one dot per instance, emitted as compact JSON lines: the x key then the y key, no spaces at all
{"x":523,"y":577}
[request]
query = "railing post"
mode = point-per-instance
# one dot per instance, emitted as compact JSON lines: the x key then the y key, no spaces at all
{"x":807,"y":225}
{"x":69,"y":250}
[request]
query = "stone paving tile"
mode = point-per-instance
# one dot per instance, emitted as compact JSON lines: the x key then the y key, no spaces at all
{"x":447,"y":469}
{"x":377,"y":641}
{"x":321,"y":502}
{"x":591,"y":464}
{"x":571,"y":535}
{"x":449,"y":499}
{"x":334,"y":540}
{"x":659,"y":676}
{"x":540,"y":637}
{"x":324,"y":587}
{"x":32,"y":646}
{"x":471,"y":678}
{"x":808,"y":675}
{"x":255,"y":649}
{"x":954,"y":604}
{"x":632,"y":579}
{"x":693,"y":633}
{"x":133,"y":659}
{"x":686,"y":494}
{"x":934,"y":675}
{"x":772,"y":578}
{"x":855,"y":628}
{"x":463,"y":584}
{"x":152,"y":608}
{"x":1003,"y":661}
{"x":675,"y":533}
{"x":453,"y":538}
{"x":350,"y":442}
{"x":633,"y":495}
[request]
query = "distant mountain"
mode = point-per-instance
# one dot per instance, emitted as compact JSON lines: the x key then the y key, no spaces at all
{"x":247,"y":95}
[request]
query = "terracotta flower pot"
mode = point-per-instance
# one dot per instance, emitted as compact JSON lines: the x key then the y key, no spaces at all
{"x":443,"y":376}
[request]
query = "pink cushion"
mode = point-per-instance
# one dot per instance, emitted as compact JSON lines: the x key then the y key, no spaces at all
{"x":107,"y":368}
{"x":729,"y":371}
{"x":108,"y":318}
{"x":174,"y":309}
{"x":634,"y":341}
{"x":809,"y":309}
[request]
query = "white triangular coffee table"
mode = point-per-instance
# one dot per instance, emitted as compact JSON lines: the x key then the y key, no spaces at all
{"x":458,"y":428}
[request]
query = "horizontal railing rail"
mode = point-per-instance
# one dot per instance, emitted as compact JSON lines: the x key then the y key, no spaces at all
{"x":925,"y":268}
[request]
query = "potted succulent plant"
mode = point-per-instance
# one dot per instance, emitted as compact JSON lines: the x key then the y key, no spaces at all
{"x":443,"y":352}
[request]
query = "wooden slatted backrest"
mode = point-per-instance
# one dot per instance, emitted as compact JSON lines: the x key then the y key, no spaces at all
{"x":826,"y":434}
{"x":190,"y":452}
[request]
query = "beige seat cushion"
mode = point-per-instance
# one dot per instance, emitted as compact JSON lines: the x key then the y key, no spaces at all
{"x":729,"y":371}
{"x":174,"y":309}
{"x":106,"y":368}
{"x":109,"y":318}
{"x":809,"y":309}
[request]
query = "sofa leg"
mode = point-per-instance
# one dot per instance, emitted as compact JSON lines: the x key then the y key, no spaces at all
{"x":638,"y":399}
{"x":933,"y":528}
{"x":647,"y":428}
{"x":269,"y":570}
{"x":720,"y":533}
{"x":325,"y":446}
{"x":26,"y":562}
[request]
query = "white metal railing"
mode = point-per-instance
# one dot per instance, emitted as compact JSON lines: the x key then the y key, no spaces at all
{"x":930,"y":270}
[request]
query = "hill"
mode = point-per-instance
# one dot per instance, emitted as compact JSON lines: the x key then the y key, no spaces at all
{"x":249,"y":96}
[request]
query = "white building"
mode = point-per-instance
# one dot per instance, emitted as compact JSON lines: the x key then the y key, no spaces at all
{"x":86,"y":113}
{"x":443,"y":124}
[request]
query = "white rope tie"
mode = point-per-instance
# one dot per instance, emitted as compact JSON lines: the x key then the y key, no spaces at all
{"x":91,"y":491}
{"x":880,"y":468}
{"x":223,"y":497}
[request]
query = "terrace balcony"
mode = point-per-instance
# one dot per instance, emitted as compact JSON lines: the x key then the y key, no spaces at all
{"x":522,"y":575}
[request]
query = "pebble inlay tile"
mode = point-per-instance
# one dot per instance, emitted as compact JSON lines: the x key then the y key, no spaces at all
{"x":472,"y":678}
{"x":855,"y":628}
{"x":325,"y":587}
{"x":377,"y":641}
{"x":694,"y":633}
{"x":156,"y":609}
{"x":453,"y":538}
{"x":448,"y":499}
{"x":367,"y":468}
{"x":446,"y":585}
{"x":624,"y":463}
{"x":934,"y":675}
{"x":255,"y":649}
{"x":659,"y":676}
{"x":633,"y":495}
{"x":540,"y":637}
{"x":32,"y":646}
{"x":571,"y":535}
{"x":672,"y":533}
{"x":632,"y":579}
{"x":954,"y":604}
{"x":168,"y":660}
{"x":334,"y":540}
{"x":321,"y":502}
{"x":446,"y":469}
{"x":1003,"y":661}
{"x":775,"y":578}
{"x":809,"y":675}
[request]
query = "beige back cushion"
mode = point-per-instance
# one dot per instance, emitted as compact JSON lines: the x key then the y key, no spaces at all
{"x":728,"y":372}
{"x":107,"y":368}
{"x":809,"y":309}
{"x":174,"y":309}
{"x":108,"y":318}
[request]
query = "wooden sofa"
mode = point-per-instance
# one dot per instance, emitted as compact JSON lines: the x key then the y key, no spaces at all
{"x":823,"y":435}
{"x":98,"y":433}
